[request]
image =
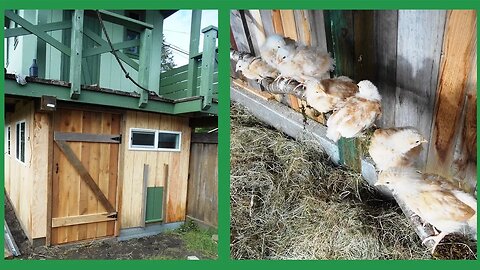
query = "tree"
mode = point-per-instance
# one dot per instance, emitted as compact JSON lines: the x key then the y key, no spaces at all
{"x":167,"y":57}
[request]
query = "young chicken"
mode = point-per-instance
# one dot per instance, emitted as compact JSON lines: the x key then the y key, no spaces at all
{"x":436,"y":201}
{"x":357,"y":114}
{"x":256,"y":69}
{"x":326,"y":95}
{"x":395,"y":147}
{"x":304,"y":63}
{"x":268,"y":51}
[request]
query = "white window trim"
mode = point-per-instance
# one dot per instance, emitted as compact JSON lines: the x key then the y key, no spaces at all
{"x":142,"y":148}
{"x":7,"y":141}
{"x":155,"y":147}
{"x":179,"y":133}
{"x":17,"y":142}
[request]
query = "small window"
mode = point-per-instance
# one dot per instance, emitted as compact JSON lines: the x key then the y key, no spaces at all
{"x":142,"y":139}
{"x":20,"y":142}
{"x":156,"y":140}
{"x":9,"y":139}
{"x":168,"y":140}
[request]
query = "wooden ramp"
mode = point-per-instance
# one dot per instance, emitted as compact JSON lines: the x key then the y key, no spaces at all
{"x":10,"y":247}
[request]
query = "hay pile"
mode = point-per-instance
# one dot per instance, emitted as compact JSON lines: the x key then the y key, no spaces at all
{"x":289,"y":201}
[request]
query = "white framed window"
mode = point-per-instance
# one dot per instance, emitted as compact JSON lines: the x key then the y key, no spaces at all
{"x":154,"y":140}
{"x":143,"y":139}
{"x":8,"y":139}
{"x":169,"y":140}
{"x":20,"y":142}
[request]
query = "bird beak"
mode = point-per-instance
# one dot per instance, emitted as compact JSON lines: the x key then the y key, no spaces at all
{"x":378,"y":184}
{"x":423,"y":141}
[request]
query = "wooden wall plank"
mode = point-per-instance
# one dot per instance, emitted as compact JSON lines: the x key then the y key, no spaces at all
{"x":84,"y":189}
{"x":238,"y":31}
{"x":256,"y":27}
{"x":363,"y":21}
{"x":417,"y":69}
{"x":317,"y":24}
{"x":267,"y":21}
{"x":277,"y":21}
{"x":303,"y":27}
{"x":386,"y":29}
{"x":288,"y":24}
{"x":459,"y":45}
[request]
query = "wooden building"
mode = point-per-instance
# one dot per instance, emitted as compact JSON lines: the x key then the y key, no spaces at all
{"x":423,"y":62}
{"x":88,"y":153}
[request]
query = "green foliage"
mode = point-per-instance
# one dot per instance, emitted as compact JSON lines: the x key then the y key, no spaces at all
{"x":167,"y":58}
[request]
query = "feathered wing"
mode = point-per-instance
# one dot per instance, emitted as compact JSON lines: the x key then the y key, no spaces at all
{"x":361,"y":115}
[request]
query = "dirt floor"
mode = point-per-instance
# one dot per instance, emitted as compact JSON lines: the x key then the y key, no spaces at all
{"x":289,"y":201}
{"x":189,"y":240}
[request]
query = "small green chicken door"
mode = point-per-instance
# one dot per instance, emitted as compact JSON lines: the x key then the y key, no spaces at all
{"x":154,"y":210}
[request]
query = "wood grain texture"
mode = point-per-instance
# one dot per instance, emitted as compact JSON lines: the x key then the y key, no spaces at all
{"x":417,"y":69}
{"x":386,"y":29}
{"x":132,"y":169}
{"x":94,"y":161}
{"x":459,"y":48}
{"x":203,"y":183}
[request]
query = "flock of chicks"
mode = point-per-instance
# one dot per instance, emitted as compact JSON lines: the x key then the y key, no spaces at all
{"x":355,"y":107}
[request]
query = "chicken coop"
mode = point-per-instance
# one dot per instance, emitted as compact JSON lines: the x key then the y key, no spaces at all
{"x":98,"y":138}
{"x":422,"y":61}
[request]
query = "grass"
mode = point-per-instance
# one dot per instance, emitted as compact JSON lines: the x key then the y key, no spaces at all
{"x":198,"y":240}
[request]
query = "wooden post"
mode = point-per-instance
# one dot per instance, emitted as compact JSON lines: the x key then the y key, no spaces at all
{"x":193,"y":52}
{"x":144,"y":194}
{"x":76,"y":54}
{"x":340,"y":41}
{"x":155,"y":18}
{"x":208,"y":64}
{"x":144,"y":65}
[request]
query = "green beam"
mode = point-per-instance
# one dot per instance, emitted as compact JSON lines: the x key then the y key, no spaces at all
{"x":20,"y":31}
{"x":88,"y":96}
{"x":144,"y":65}
{"x":36,"y":31}
{"x":106,"y":49}
{"x":156,"y":18}
{"x":208,"y":65}
{"x":99,"y":40}
{"x":76,"y":57}
{"x":193,"y":50}
{"x":341,"y":43}
{"x":121,"y":20}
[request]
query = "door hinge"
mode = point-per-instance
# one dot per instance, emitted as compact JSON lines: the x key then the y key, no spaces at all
{"x":118,"y":138}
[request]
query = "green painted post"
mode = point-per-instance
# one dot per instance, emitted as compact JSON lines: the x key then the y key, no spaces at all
{"x":193,"y":52}
{"x":76,"y":54}
{"x":41,"y":45}
{"x":155,"y":18}
{"x":144,"y":65}
{"x":341,"y":43}
{"x":208,"y":65}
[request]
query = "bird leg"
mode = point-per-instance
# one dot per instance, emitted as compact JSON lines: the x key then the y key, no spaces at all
{"x":436,"y":239}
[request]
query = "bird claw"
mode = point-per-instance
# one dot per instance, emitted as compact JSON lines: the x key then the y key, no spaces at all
{"x":436,"y":239}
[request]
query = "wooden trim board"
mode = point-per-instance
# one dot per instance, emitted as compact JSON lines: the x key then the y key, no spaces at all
{"x":87,"y":137}
{"x":82,"y":219}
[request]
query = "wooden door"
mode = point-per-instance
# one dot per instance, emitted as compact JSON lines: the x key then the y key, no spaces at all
{"x":85,"y":169}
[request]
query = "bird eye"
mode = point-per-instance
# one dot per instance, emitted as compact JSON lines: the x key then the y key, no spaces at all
{"x":284,"y":57}
{"x":388,"y":182}
{"x":417,"y":141}
{"x":278,"y":46}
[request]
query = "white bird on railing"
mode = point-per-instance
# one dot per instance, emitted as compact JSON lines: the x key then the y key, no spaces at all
{"x":268,"y":50}
{"x":255,"y":69}
{"x":435,"y":201}
{"x":326,"y":95}
{"x":395,"y":147}
{"x":21,"y":79}
{"x":304,"y":63}
{"x":357,"y":114}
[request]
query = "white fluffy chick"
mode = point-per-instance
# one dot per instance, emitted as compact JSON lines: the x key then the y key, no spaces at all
{"x":395,"y":147}
{"x":326,"y":95}
{"x":435,"y":201}
{"x":357,"y":114}
{"x":304,"y":63}
{"x":256,"y":69}
{"x":268,"y":50}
